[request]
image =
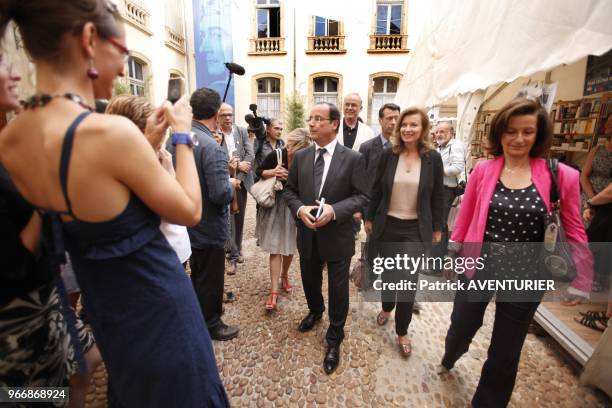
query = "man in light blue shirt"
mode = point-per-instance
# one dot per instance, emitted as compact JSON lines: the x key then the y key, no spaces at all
{"x":453,"y":158}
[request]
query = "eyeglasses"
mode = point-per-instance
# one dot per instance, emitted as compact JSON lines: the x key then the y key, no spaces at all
{"x":317,"y":119}
{"x":122,"y":48}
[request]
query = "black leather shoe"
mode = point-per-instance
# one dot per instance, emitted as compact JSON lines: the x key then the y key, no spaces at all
{"x":223,"y":332}
{"x":309,"y":321}
{"x":332,"y":359}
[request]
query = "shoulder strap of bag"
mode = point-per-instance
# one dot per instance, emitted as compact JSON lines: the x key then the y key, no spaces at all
{"x":279,"y":156}
{"x":552,"y":165}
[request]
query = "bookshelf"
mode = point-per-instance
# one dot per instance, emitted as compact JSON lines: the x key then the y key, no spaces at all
{"x":479,"y":140}
{"x":577,"y":126}
{"x":577,"y":123}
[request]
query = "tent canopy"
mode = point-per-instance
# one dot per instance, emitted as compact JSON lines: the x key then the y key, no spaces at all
{"x":470,"y":45}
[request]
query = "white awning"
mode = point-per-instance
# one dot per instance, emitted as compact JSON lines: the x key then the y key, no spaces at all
{"x":469,"y":45}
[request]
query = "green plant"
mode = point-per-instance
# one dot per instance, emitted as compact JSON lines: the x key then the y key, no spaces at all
{"x":121,"y":87}
{"x":294,"y":114}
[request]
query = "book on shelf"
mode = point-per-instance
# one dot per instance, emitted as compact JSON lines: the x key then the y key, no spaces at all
{"x":585,"y":109}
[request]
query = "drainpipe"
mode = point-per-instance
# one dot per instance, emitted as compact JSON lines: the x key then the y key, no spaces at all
{"x":187,"y":49}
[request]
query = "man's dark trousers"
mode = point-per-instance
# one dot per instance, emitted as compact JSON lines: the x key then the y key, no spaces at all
{"x":449,"y":197}
{"x":207,"y":275}
{"x":237,"y":225}
{"x":338,"y":290}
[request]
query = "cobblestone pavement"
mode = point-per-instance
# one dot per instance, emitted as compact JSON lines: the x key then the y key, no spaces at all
{"x":272,"y":364}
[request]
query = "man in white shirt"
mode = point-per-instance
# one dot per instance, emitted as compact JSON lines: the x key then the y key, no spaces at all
{"x":453,"y":158}
{"x":352,"y":132}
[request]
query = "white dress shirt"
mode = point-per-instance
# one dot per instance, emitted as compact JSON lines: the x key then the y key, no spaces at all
{"x":231,"y":143}
{"x":327,"y":157}
{"x":178,"y":238}
{"x":453,"y":159}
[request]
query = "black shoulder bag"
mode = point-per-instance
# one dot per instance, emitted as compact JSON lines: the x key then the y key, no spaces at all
{"x":556,"y":261}
{"x":460,"y":189}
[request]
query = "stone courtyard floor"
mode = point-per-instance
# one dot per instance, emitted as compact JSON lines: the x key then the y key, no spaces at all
{"x":272,"y":364}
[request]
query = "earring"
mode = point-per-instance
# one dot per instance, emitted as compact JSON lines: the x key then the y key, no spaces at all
{"x":92,"y":72}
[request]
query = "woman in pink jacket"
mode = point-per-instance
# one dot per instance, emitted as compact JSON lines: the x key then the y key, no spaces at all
{"x":505,"y":201}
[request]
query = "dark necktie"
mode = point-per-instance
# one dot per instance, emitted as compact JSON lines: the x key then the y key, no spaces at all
{"x":318,"y":170}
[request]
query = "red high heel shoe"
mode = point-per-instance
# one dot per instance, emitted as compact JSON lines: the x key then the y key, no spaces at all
{"x":271,"y":303}
{"x":285,"y":284}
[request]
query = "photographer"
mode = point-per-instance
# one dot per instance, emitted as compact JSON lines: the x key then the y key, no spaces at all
{"x":272,"y":141}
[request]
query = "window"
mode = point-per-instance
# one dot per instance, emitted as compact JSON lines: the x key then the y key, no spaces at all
{"x":268,"y":97}
{"x":325,"y":90}
{"x":383,"y":91}
{"x":324,"y":27}
{"x":268,"y":19}
{"x":388,"y":17}
{"x":136,"y":69}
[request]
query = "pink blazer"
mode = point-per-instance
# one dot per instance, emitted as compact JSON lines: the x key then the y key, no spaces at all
{"x":472,"y":219}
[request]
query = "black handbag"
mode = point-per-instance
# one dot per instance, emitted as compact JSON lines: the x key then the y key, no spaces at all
{"x":359,"y":273}
{"x":460,"y":189}
{"x":556,"y":261}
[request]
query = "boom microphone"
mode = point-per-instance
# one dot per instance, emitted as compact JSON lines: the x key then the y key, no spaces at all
{"x":235,"y":68}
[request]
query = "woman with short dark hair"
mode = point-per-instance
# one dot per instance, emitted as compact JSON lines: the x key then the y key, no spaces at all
{"x":502,"y":212}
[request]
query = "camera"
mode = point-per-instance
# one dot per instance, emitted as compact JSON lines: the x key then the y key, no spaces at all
{"x":256,"y":123}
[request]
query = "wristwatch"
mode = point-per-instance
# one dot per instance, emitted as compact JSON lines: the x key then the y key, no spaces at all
{"x":190,"y":139}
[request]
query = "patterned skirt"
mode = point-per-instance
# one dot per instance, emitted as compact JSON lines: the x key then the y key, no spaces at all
{"x":35,"y":347}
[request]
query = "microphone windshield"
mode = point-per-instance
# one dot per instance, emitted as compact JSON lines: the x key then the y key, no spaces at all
{"x":235,"y":68}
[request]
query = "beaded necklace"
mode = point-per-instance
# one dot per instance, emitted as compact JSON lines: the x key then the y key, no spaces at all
{"x":36,"y":101}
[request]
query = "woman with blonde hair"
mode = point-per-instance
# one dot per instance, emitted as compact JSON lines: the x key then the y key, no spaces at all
{"x":276,"y":230}
{"x":405,"y":211}
{"x":139,"y":110}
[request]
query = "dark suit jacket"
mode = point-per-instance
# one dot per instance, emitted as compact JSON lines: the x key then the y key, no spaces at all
{"x":344,"y":189}
{"x":217,"y":192}
{"x":371,"y":151}
{"x":429,"y":196}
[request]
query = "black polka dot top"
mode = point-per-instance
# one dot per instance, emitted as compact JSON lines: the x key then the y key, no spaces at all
{"x":515,"y":215}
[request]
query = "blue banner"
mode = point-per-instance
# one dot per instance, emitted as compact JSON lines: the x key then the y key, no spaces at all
{"x":212,"y":27}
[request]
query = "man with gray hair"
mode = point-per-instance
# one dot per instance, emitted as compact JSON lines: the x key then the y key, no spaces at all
{"x":353,"y":132}
{"x":239,"y":147}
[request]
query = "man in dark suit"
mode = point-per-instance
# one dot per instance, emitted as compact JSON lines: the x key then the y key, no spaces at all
{"x":237,"y":143}
{"x":373,"y":148}
{"x":208,"y":237}
{"x":327,"y":170}
{"x":371,"y":151}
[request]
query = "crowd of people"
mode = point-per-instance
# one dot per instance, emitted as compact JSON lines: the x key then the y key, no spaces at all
{"x":132,"y":209}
